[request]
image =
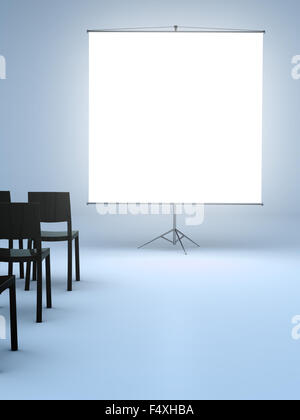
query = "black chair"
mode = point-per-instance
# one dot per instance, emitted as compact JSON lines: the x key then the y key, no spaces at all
{"x":22,"y":221}
{"x":5,"y":198}
{"x":10,"y":283}
{"x":55,"y":207}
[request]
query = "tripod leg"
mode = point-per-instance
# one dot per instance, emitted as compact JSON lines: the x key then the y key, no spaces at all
{"x":189,"y":239}
{"x":177,"y":233}
{"x":153,"y":240}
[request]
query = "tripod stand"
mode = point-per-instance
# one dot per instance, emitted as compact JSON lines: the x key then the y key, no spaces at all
{"x":178,"y":236}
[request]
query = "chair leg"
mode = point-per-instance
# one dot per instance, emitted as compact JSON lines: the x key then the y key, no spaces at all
{"x":21,"y":264}
{"x":70,"y":250}
{"x":10,"y":265}
{"x":34,"y":274}
{"x":48,"y":283}
{"x":28,"y":269}
{"x":13,"y":317}
{"x":77,"y":258}
{"x":39,"y":304}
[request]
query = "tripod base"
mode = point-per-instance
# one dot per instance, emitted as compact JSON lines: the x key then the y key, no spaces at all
{"x":177,"y":237}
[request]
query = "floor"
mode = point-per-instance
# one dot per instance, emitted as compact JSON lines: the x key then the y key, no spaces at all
{"x":155,"y":324}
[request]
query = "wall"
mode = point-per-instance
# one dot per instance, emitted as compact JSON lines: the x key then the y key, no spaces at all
{"x":44,"y":103}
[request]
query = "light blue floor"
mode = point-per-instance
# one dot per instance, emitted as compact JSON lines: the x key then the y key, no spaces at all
{"x":155,"y":324}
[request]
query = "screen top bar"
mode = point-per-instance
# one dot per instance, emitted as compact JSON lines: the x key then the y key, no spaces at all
{"x":178,"y":204}
{"x":237,"y":31}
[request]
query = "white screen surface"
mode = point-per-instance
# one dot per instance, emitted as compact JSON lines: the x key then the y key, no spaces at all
{"x":175,"y":117}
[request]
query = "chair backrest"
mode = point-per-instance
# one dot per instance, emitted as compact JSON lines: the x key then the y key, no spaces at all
{"x":20,"y":221}
{"x":5,"y":197}
{"x":54,"y":207}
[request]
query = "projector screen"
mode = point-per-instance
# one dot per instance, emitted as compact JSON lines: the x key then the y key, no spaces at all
{"x":176,"y":117}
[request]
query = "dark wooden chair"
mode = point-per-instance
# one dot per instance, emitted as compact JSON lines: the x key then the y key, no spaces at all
{"x":22,"y":221}
{"x":9,"y":283}
{"x":55,"y":207}
{"x":5,"y":198}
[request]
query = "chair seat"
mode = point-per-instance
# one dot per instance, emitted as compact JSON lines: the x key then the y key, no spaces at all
{"x":17,"y":255}
{"x":58,"y":236}
{"x":5,"y":282}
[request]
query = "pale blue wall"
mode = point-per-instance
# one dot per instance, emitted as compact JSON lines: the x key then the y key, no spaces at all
{"x":44,"y":101}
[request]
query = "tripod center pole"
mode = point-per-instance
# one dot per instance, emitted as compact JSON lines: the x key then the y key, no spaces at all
{"x":174,"y":225}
